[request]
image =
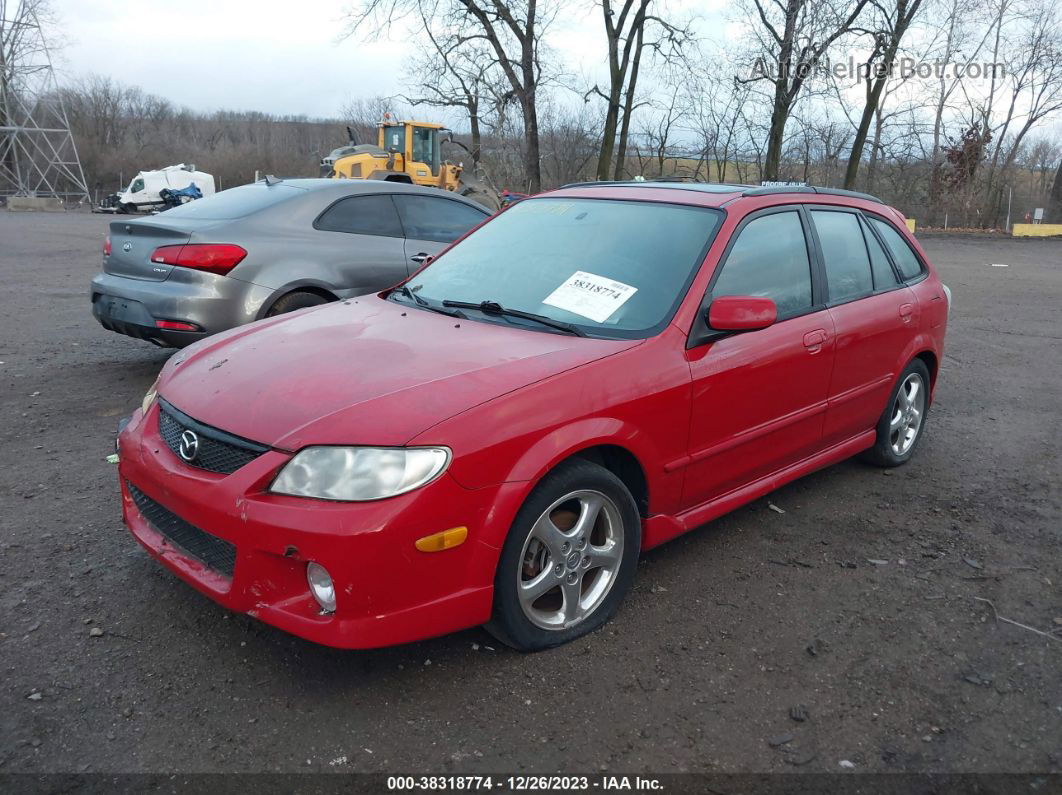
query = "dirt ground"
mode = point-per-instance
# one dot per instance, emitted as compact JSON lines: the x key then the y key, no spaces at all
{"x":856,"y":606}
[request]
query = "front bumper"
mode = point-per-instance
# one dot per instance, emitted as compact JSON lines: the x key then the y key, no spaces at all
{"x":387,"y":592}
{"x":213,"y":303}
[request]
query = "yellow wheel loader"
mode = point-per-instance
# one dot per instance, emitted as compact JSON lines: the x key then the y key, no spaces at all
{"x":410,"y":152}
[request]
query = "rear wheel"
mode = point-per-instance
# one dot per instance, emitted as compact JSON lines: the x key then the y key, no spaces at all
{"x":901,"y":425}
{"x":569,"y":559}
{"x":293,"y":301}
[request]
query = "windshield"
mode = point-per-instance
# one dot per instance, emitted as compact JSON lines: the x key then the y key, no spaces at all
{"x":612,"y":268}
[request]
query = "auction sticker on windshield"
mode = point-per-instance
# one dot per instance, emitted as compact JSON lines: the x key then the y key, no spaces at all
{"x":591,"y":296}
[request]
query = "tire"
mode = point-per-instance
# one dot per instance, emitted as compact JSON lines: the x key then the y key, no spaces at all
{"x":547,"y":547}
{"x":903,"y":422}
{"x":293,"y":301}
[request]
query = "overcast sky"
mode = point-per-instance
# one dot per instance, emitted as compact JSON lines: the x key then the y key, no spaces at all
{"x":277,"y":56}
{"x":271,"y":55}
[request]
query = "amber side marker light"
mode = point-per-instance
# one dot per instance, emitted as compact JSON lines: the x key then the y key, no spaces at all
{"x":437,"y":542}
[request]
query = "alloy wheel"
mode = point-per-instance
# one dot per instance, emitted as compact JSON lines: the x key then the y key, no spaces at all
{"x":907,"y":414}
{"x":570,"y":560}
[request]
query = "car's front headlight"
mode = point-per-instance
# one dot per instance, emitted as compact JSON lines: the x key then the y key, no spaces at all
{"x":354,"y":474}
{"x":149,"y":398}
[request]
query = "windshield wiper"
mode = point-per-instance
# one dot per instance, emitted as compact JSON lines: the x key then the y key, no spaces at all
{"x":494,"y":308}
{"x":404,"y":290}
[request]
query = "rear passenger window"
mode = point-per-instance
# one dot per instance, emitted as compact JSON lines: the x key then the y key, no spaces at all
{"x":844,"y":253}
{"x":361,"y":215}
{"x":902,"y":254}
{"x":441,"y":220}
{"x":770,"y":259}
{"x":884,"y":275}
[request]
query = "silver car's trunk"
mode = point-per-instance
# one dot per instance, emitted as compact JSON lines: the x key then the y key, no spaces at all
{"x":132,"y":243}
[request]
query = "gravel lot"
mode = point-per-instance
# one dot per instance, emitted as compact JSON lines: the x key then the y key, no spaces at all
{"x":858,"y":602}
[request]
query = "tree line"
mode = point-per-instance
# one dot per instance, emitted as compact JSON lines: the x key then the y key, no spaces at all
{"x":949,"y":106}
{"x":950,"y":109}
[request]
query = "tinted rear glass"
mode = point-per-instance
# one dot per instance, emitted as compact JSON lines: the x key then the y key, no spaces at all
{"x":362,"y":215}
{"x":902,"y":254}
{"x":236,"y":202}
{"x":844,"y":252}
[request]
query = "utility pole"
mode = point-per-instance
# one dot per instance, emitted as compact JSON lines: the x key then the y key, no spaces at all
{"x":38,"y":157}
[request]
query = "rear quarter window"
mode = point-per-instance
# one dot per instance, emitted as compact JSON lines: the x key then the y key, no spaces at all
{"x":236,"y":202}
{"x":906,"y":260}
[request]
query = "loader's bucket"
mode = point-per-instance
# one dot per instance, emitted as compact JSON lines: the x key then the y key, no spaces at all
{"x":474,"y":187}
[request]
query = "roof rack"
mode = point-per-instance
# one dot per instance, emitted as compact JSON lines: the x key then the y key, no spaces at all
{"x":811,"y":189}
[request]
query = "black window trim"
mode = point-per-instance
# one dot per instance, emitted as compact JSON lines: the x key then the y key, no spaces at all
{"x":924,"y":274}
{"x":353,"y":196}
{"x":701,"y":333}
{"x":856,"y":211}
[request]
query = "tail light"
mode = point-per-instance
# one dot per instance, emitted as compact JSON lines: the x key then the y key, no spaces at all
{"x":107,"y":246}
{"x":219,"y":258}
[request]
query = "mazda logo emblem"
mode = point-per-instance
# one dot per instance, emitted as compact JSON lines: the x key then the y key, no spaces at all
{"x":188,"y":449}
{"x":127,"y":247}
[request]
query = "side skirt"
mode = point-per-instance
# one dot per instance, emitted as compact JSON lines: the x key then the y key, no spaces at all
{"x":661,"y":528}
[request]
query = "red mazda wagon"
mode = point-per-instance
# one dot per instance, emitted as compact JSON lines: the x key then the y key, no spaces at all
{"x":587,"y":375}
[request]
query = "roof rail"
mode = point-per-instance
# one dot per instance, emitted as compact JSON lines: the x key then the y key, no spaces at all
{"x":811,"y":189}
{"x":660,"y":182}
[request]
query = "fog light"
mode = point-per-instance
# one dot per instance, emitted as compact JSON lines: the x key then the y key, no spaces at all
{"x":321,"y":586}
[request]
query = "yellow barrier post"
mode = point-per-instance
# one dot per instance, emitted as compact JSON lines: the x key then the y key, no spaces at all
{"x":1037,"y":230}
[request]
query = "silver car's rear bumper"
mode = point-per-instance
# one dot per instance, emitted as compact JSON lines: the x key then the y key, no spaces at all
{"x":213,"y":303}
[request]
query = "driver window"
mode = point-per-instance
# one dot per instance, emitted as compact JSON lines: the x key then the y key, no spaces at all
{"x":770,"y":259}
{"x":137,"y":186}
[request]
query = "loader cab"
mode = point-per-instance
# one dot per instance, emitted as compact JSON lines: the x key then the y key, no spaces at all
{"x":419,"y":145}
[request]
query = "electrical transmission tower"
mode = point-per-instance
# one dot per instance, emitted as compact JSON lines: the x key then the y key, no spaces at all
{"x":37,"y":152}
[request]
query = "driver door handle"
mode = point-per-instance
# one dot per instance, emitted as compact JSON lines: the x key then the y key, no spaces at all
{"x":814,"y":340}
{"x":420,"y":258}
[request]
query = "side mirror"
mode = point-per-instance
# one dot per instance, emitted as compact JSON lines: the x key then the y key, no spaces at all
{"x":741,"y":313}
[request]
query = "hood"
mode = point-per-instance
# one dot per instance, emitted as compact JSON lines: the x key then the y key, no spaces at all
{"x":366,"y":371}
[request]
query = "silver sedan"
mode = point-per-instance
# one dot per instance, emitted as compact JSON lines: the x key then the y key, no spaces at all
{"x":270,"y":247}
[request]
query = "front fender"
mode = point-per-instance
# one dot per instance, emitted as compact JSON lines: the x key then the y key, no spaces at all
{"x":528,"y":464}
{"x":564,"y":442}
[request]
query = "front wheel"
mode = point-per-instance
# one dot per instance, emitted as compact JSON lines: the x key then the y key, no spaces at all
{"x":569,"y":559}
{"x":904,"y":420}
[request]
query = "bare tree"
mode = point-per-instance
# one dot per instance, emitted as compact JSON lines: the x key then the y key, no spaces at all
{"x":363,"y":115}
{"x":717,"y":119}
{"x":792,"y":37}
{"x":895,"y":21}
{"x":513,"y":31}
{"x":630,"y":29}
{"x":1034,"y":84}
{"x":459,"y":71}
{"x":959,"y":35}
